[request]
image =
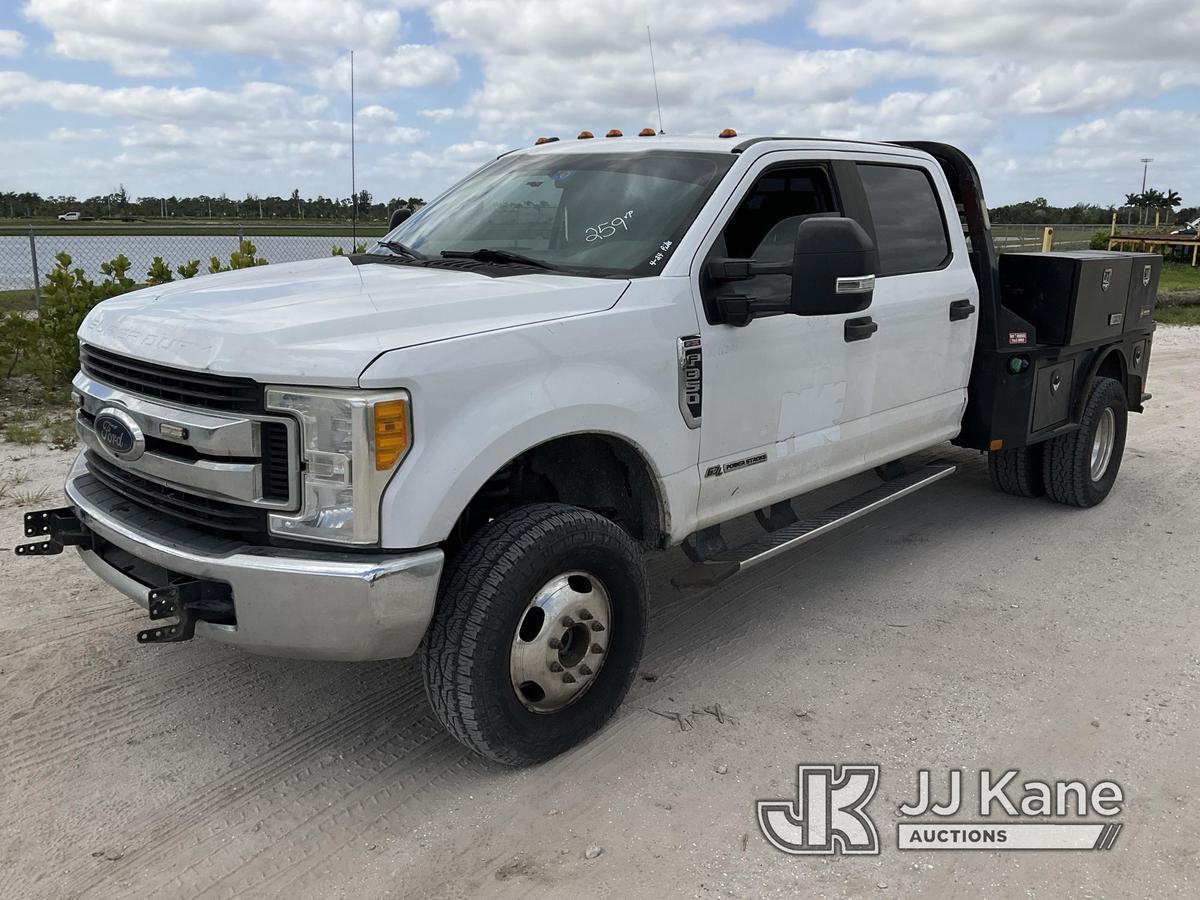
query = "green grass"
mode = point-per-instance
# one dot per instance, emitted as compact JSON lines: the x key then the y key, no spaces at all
{"x":1179,"y":277}
{"x":1177,"y":315}
{"x":22,"y":433}
{"x":14,"y":300}
{"x":31,"y":413}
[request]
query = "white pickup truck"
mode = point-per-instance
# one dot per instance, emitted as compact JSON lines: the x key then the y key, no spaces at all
{"x":461,"y":443}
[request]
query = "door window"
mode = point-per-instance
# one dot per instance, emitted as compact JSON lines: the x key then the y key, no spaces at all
{"x":764,"y":227}
{"x":910,"y":231}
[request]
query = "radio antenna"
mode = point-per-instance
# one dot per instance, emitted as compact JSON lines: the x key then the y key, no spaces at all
{"x":654,"y":77}
{"x":353,"y":185}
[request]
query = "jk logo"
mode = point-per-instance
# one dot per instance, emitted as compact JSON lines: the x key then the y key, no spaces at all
{"x":827,"y":815}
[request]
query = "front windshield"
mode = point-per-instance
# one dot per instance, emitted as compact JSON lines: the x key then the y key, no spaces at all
{"x":606,"y":214}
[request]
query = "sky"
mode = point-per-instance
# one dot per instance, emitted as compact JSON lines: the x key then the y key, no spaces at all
{"x":183,"y":97}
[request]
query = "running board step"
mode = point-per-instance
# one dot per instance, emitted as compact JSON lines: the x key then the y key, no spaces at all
{"x":777,"y":542}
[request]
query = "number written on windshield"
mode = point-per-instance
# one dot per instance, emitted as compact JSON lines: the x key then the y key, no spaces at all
{"x":607,"y":229}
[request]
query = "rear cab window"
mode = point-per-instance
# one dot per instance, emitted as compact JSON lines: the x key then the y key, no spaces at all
{"x":910,"y":228}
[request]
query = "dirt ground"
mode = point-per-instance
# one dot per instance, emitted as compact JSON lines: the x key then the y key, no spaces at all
{"x":956,"y":628}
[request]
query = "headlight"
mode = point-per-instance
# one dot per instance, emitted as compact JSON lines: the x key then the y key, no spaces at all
{"x":351,"y":442}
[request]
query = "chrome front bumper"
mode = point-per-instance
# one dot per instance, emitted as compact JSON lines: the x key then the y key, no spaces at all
{"x":308,"y":604}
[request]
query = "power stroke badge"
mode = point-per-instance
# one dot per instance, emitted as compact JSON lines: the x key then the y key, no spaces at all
{"x":830,"y":813}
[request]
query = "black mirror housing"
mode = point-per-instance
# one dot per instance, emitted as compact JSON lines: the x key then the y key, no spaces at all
{"x":399,"y":216}
{"x":833,"y":268}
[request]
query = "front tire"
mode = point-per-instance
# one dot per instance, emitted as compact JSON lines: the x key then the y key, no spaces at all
{"x":1081,"y":467}
{"x":538,"y":632}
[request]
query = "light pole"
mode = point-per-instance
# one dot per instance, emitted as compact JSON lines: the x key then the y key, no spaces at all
{"x":1146,"y":160}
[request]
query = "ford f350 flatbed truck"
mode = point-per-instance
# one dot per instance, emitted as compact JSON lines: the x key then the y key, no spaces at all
{"x":461,"y":443}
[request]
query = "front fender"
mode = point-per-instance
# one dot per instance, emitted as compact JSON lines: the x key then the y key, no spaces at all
{"x":480,"y":401}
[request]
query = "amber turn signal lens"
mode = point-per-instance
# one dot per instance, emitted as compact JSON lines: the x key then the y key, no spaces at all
{"x":996,"y":445}
{"x":391,"y":433}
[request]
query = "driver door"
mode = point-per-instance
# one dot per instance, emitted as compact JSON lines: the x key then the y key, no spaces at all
{"x":787,"y":398}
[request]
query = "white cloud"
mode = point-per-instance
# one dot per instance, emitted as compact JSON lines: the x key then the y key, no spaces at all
{"x":252,"y":101}
{"x":581,"y":29}
{"x":12,"y":43}
{"x":1150,"y":30}
{"x":973,"y":72}
{"x":77,"y":134}
{"x":141,"y":38}
{"x":405,"y":66}
{"x":441,"y":114}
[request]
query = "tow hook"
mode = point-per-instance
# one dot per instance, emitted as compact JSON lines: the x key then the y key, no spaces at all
{"x":170,"y":602}
{"x":62,"y":528}
{"x":182,"y":599}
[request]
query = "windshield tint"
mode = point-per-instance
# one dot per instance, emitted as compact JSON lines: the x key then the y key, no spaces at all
{"x":608,"y":214}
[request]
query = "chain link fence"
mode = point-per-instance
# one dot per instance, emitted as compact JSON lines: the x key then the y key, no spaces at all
{"x":1025,"y":238}
{"x":34,"y":251}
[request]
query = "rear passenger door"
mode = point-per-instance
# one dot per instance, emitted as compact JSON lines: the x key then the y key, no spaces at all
{"x":925,"y":305}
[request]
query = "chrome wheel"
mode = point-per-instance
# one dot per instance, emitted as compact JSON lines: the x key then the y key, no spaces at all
{"x":560,"y":642}
{"x":1102,"y":443}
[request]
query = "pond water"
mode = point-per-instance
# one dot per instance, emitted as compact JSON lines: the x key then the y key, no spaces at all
{"x":89,"y":251}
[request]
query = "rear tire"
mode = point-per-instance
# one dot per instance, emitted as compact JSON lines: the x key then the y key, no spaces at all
{"x":1017,"y":471}
{"x":538,"y":632}
{"x":1080,"y":468}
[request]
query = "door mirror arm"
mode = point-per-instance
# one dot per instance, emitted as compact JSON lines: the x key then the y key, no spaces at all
{"x":739,"y":310}
{"x":727,"y":269}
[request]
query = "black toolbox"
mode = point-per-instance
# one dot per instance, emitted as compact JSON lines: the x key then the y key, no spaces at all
{"x":1143,"y":291}
{"x":1081,"y":296}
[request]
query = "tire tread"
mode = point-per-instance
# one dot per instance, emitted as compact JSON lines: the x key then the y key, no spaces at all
{"x":495,"y":553}
{"x":1017,"y":471}
{"x":1066,"y":467}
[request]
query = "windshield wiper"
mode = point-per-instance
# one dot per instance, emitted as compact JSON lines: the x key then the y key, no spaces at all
{"x":404,"y":249}
{"x":493,"y":254}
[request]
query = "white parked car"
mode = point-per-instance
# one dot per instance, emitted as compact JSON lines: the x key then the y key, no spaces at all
{"x":460,"y":444}
{"x":1191,"y":227}
{"x":70,"y":217}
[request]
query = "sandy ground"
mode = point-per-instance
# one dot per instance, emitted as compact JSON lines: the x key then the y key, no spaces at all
{"x":957,"y":628}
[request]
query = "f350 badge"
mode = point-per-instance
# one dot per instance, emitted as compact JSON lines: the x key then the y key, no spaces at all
{"x":691,"y":379}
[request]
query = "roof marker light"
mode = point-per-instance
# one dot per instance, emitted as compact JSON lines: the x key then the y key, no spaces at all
{"x":646,"y":132}
{"x":585,"y":135}
{"x":728,"y":133}
{"x":545,"y":140}
{"x":614,"y":132}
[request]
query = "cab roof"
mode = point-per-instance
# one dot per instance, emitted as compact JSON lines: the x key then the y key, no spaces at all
{"x":707,"y":144}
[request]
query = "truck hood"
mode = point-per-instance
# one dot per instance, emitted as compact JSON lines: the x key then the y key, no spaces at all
{"x":323,"y":321}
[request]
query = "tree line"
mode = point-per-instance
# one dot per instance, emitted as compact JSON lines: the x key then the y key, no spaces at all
{"x":120,"y":205}
{"x":1138,"y":209}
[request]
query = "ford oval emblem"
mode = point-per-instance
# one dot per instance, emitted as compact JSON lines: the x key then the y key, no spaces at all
{"x":119,"y":435}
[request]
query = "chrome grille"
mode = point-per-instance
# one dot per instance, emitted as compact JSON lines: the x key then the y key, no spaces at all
{"x":213,"y":457}
{"x":214,"y":515}
{"x":171,"y":385}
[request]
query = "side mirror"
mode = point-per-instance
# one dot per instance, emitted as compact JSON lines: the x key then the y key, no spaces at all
{"x":833,"y":268}
{"x":398,"y":217}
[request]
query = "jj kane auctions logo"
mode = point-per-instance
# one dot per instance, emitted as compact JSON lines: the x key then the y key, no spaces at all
{"x":829,"y":814}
